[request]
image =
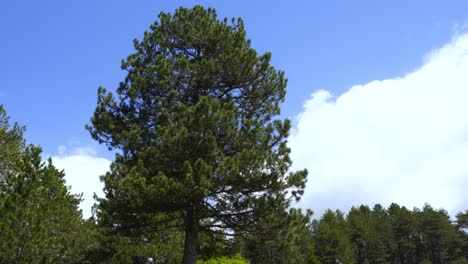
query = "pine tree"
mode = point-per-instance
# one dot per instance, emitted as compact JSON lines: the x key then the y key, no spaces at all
{"x":435,"y":231}
{"x":380,"y":235}
{"x":370,"y":234}
{"x":194,"y":124}
{"x":358,"y":221}
{"x":332,"y":240}
{"x":461,"y":242}
{"x":403,"y":225}
{"x":39,"y":219}
{"x":11,"y":142}
{"x":290,"y":244}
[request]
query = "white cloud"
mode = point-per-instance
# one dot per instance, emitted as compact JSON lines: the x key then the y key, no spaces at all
{"x":401,"y":140}
{"x":82,"y":170}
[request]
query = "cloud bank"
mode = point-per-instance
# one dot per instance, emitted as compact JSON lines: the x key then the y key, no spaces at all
{"x":402,"y":140}
{"x":82,"y":170}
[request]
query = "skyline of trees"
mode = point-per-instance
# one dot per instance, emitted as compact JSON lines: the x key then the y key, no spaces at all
{"x":40,"y":222}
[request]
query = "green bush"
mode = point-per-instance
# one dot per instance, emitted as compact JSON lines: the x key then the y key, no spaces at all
{"x":224,"y":260}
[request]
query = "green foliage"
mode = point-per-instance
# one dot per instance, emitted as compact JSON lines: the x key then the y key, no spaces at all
{"x":291,"y":243}
{"x":393,"y":235}
{"x":224,"y":260}
{"x":332,"y":242}
{"x":39,"y":218}
{"x":370,"y":233}
{"x":436,"y":232}
{"x":461,"y":242}
{"x":166,"y":248}
{"x":11,"y":142}
{"x":194,"y":121}
{"x":365,"y":235}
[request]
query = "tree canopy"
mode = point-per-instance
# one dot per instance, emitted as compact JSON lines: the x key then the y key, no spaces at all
{"x":39,"y":219}
{"x":195,"y":129}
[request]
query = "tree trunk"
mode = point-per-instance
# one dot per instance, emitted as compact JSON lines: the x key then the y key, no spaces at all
{"x":191,"y":237}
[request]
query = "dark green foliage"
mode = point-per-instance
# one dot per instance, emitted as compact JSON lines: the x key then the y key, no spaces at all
{"x":165,"y":246}
{"x":39,"y":218}
{"x":434,"y":232}
{"x":403,"y":229}
{"x":395,"y":235}
{"x":11,"y":142}
{"x":331,"y":238}
{"x":460,"y":244}
{"x":199,"y":149}
{"x":370,"y":233}
{"x":292,"y":243}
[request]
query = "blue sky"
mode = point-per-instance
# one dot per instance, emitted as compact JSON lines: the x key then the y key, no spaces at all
{"x":55,"y":54}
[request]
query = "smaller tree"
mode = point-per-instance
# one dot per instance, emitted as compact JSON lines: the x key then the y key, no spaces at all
{"x":11,"y":142}
{"x":370,"y":234}
{"x":462,"y":238}
{"x":39,"y":219}
{"x":292,"y":243}
{"x":435,"y":232}
{"x":403,"y":226}
{"x":332,"y":243}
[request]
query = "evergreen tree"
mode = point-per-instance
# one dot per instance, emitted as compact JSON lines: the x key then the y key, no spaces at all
{"x":435,"y":231}
{"x":358,"y":222}
{"x":290,"y":244}
{"x":39,"y":219}
{"x":380,"y":236}
{"x":194,"y":122}
{"x":461,"y":244}
{"x":403,"y":225}
{"x":370,"y":234}
{"x":11,"y":142}
{"x":332,"y":241}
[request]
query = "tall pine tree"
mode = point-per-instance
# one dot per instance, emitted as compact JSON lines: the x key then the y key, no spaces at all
{"x":194,"y":124}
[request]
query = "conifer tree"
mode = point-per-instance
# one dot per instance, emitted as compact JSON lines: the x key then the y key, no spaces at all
{"x":39,"y":219}
{"x":403,"y":226}
{"x":195,"y":125}
{"x":11,"y":142}
{"x":332,"y":242}
{"x":461,"y":243}
{"x":435,"y":232}
{"x":290,"y":244}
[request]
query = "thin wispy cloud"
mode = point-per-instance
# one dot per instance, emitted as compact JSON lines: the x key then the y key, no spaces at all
{"x":401,"y":140}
